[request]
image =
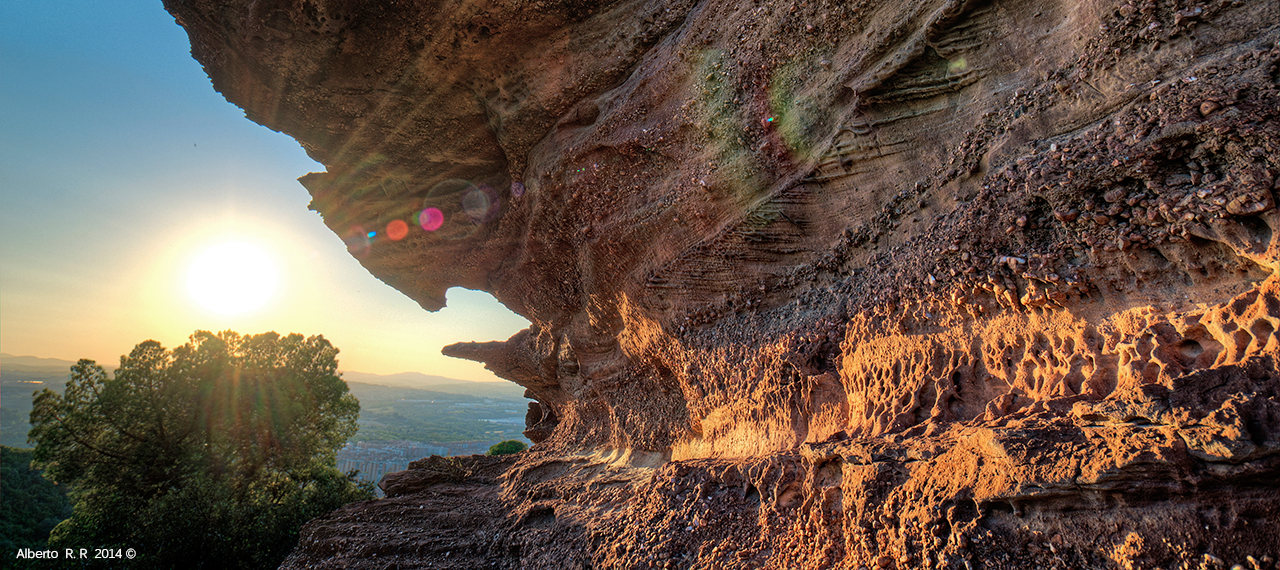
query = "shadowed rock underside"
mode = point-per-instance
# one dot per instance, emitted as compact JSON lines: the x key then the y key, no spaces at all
{"x":813,"y":284}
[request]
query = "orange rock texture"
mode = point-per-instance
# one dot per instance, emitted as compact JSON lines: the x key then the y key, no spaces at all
{"x":813,"y":283}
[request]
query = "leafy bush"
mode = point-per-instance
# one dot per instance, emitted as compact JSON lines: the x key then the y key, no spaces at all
{"x":31,"y":504}
{"x":506,"y":447}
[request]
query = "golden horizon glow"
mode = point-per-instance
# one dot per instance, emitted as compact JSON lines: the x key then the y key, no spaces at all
{"x":232,"y":277}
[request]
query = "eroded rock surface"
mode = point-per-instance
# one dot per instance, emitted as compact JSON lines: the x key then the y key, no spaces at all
{"x":813,"y":284}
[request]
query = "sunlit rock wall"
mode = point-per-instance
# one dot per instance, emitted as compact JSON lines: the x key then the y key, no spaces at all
{"x":747,"y":229}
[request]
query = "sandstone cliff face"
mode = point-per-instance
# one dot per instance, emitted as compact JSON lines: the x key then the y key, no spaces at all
{"x":813,"y":284}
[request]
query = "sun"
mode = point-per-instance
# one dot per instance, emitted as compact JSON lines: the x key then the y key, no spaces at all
{"x":232,"y":278}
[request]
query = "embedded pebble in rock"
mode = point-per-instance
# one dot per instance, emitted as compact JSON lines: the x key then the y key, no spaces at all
{"x":844,"y":282}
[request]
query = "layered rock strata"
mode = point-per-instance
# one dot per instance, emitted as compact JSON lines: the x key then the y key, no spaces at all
{"x":812,"y":284}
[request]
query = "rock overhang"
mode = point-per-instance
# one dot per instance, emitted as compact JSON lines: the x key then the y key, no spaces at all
{"x":745,"y":229}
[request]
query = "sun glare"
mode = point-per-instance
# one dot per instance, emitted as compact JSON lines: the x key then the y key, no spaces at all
{"x":232,"y":278}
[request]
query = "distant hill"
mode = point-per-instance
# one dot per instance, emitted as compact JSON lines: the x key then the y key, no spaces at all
{"x":35,"y":365}
{"x":365,"y":391}
{"x":418,"y":381}
{"x":8,"y":360}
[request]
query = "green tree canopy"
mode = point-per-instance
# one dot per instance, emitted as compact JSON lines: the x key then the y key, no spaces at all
{"x":506,"y":447}
{"x":210,"y":455}
{"x":31,"y":505}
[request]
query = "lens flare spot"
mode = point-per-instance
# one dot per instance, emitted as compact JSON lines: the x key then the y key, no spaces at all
{"x":397,"y":230}
{"x":480,"y":203}
{"x":431,"y":219}
{"x":517,"y":189}
{"x":359,"y":241}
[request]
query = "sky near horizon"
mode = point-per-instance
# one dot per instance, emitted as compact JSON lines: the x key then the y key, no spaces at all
{"x":120,"y":165}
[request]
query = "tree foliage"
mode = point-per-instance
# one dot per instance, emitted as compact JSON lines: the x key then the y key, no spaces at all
{"x":210,"y":455}
{"x":506,"y":447}
{"x":31,"y":504}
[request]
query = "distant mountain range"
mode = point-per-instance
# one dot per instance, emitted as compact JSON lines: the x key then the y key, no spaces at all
{"x":9,"y":362}
{"x":420,"y":381}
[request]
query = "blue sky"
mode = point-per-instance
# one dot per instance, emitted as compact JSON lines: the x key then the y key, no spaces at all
{"x":119,"y":163}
